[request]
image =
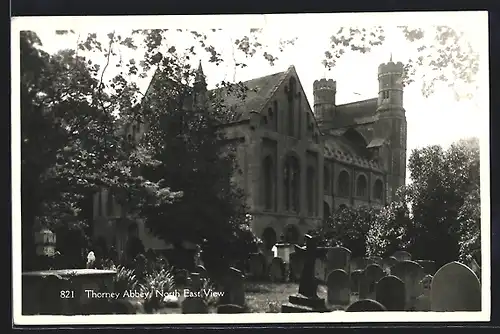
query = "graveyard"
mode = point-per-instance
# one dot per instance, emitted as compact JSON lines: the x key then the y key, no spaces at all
{"x":294,"y":279}
{"x":169,"y":199}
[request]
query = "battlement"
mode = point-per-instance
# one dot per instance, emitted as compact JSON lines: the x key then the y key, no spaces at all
{"x":325,"y":84}
{"x":391,"y":67}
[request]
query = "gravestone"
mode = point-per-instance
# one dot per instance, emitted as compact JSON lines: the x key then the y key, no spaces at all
{"x":423,"y":302}
{"x":230,"y":309}
{"x":357,"y":263}
{"x":339,"y":289}
{"x":402,"y":255}
{"x":365,"y":305}
{"x":307,"y":299}
{"x":194,"y":305}
{"x":338,"y":258}
{"x":372,"y":274}
{"x":390,"y":292}
{"x":356,"y":278}
{"x":387,"y":263}
{"x":234,"y":287}
{"x":455,"y":287}
{"x":257,"y":265}
{"x":411,"y":273}
{"x":320,"y":269}
{"x":428,"y":265}
{"x":296,"y":266}
{"x":277,"y":270}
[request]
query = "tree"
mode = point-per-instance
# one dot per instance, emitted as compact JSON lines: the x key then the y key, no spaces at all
{"x":441,"y":55}
{"x":389,"y":230}
{"x":348,"y":227}
{"x":444,"y":199}
{"x":70,"y":143}
{"x":186,"y":147}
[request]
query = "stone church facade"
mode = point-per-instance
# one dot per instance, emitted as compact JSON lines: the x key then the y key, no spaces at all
{"x":299,"y":162}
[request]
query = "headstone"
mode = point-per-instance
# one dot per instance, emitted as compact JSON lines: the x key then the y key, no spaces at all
{"x":358,"y":263}
{"x":277,"y":270}
{"x":230,"y":309}
{"x":390,"y":292}
{"x":402,"y":256}
{"x":365,"y":305}
{"x":320,"y":269}
{"x":372,"y":274}
{"x":356,"y":278}
{"x":284,"y":250}
{"x":423,"y":302}
{"x":194,"y":305}
{"x":338,"y":258}
{"x":339,"y":289}
{"x":296,"y":266}
{"x":257,"y":265}
{"x":234,"y":290}
{"x":307,"y":299}
{"x":428,"y":265}
{"x":455,"y":287}
{"x":387,"y":263}
{"x":410,"y":273}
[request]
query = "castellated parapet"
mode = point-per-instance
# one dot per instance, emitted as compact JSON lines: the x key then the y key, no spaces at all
{"x":325,"y":84}
{"x":324,"y":91}
{"x":391,"y":68}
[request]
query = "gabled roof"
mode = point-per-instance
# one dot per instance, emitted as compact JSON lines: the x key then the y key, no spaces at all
{"x":260,"y":90}
{"x":352,"y":114}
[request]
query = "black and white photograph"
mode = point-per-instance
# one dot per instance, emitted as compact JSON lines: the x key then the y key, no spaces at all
{"x":176,"y":168}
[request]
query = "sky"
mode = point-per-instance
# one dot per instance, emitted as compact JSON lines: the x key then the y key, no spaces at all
{"x":438,"y":119}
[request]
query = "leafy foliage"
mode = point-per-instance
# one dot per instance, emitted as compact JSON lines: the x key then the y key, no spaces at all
{"x":444,"y":197}
{"x":440,"y":55}
{"x":348,"y":227}
{"x":389,"y":230}
{"x":71,"y":143}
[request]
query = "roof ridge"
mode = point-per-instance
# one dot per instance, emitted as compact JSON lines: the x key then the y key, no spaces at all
{"x":359,"y":101}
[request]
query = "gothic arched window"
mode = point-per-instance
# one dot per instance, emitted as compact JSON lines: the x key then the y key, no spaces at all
{"x":343,"y":184}
{"x":291,"y":105}
{"x":326,"y":178}
{"x":311,"y":190}
{"x":268,"y":179}
{"x":378,"y":190}
{"x":361,"y":186}
{"x":292,"y":183}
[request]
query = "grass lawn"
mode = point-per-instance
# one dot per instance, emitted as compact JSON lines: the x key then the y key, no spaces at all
{"x":267,"y":298}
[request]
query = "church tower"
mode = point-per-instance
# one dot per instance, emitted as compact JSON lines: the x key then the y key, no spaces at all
{"x":324,"y":100}
{"x":200,"y":88}
{"x":391,"y":124}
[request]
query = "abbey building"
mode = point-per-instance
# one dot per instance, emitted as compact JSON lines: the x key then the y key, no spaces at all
{"x":300,"y":162}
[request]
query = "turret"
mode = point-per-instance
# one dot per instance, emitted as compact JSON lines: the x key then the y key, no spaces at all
{"x":390,"y":92}
{"x":391,"y":124}
{"x":324,"y":99}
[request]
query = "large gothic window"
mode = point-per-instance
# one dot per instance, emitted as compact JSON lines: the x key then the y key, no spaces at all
{"x":326,"y":178}
{"x":292,"y":184}
{"x":343,"y":184}
{"x":311,"y":191}
{"x":378,"y":190}
{"x":268,"y":180}
{"x":291,"y":105}
{"x":361,"y":186}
